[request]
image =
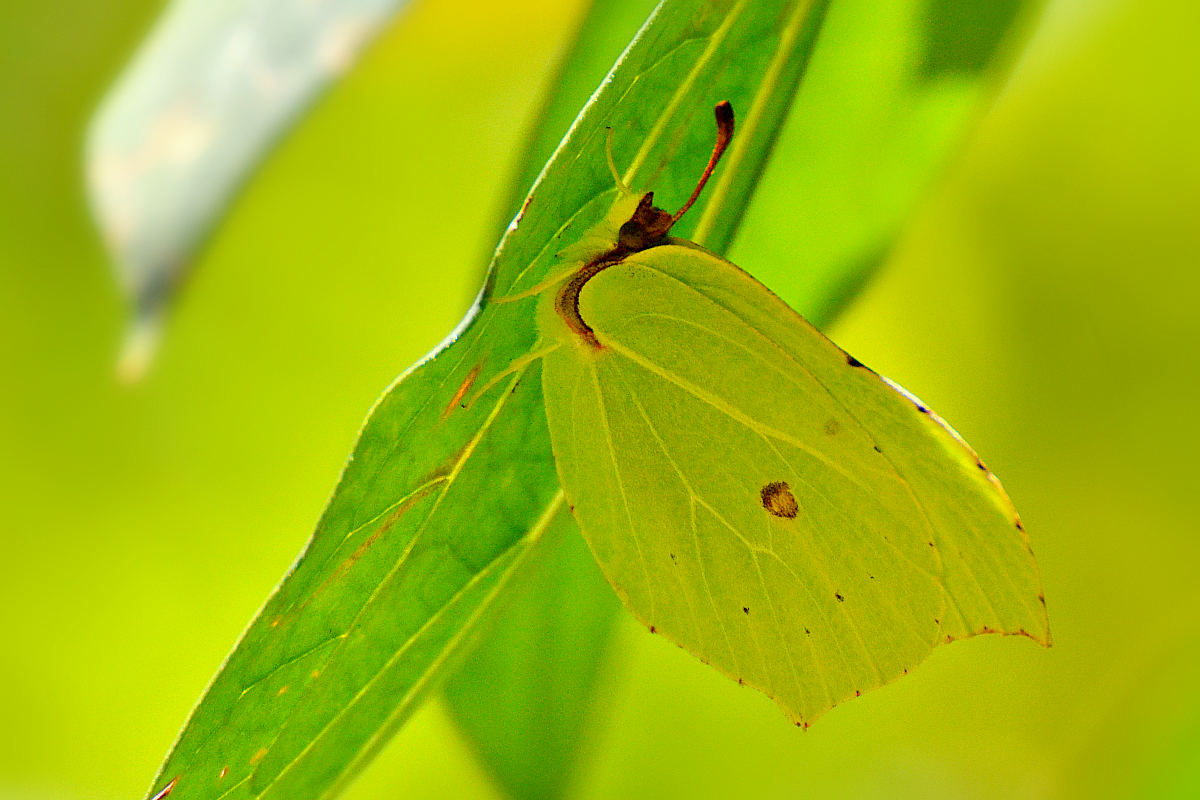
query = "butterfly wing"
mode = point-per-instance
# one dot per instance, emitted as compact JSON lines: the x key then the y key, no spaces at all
{"x":764,"y":500}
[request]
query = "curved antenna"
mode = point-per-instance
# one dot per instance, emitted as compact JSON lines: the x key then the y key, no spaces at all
{"x":612,"y":165}
{"x":724,"y":114}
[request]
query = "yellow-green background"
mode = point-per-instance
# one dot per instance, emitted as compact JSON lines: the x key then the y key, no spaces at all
{"x":1044,"y":301}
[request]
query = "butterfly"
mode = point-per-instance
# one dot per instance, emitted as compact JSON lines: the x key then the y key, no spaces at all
{"x":753,"y":492}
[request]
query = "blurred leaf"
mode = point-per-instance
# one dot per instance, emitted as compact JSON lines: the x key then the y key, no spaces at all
{"x":440,"y":502}
{"x":890,"y":93}
{"x":214,"y":85}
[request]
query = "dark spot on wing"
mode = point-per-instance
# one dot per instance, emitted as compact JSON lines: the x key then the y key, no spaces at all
{"x":778,"y":500}
{"x":832,"y":427}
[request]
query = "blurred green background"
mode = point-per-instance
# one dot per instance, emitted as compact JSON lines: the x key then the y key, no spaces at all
{"x":1043,"y":300}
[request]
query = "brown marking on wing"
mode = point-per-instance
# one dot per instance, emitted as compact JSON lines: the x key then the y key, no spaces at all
{"x":778,"y":500}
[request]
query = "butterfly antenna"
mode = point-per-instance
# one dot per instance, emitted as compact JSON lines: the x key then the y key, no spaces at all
{"x":724,"y":114}
{"x":612,"y":165}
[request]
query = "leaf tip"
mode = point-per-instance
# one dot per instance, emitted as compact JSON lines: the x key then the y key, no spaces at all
{"x":139,"y":348}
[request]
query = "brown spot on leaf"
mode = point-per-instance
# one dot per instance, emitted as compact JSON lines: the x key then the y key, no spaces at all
{"x":854,"y":362}
{"x":778,"y":500}
{"x":463,"y":388}
{"x":878,"y":449}
{"x":840,"y":599}
{"x":832,"y":427}
{"x":745,"y":609}
{"x":653,"y":629}
{"x":259,"y":756}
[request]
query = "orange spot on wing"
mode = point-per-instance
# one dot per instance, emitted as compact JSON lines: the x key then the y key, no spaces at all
{"x":465,"y":387}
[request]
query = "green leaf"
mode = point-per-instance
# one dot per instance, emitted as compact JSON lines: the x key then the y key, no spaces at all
{"x":403,"y":566}
{"x":757,"y":495}
{"x":201,"y":104}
